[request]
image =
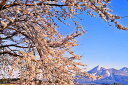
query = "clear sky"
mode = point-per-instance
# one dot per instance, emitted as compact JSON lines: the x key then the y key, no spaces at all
{"x":103,"y":45}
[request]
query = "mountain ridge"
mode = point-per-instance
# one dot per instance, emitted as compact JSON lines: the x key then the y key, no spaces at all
{"x":109,"y":76}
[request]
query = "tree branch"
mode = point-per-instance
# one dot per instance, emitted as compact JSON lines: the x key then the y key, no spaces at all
{"x":15,"y":45}
{"x":12,"y":54}
{"x":39,"y":4}
{"x":64,"y":41}
{"x":3,"y":2}
{"x":11,"y":35}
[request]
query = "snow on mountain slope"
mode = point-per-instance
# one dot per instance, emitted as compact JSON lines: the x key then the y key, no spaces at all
{"x":97,"y":68}
{"x":125,"y":69}
{"x":98,"y":71}
{"x":109,"y":76}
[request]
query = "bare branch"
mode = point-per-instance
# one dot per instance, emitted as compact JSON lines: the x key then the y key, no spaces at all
{"x":12,"y":54}
{"x":14,"y":45}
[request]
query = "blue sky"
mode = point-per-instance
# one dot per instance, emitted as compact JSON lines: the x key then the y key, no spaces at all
{"x":103,"y":44}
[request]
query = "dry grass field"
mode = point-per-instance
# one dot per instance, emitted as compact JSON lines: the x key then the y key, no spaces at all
{"x":8,"y":84}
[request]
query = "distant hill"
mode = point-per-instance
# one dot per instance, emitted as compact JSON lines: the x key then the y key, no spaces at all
{"x":109,"y":76}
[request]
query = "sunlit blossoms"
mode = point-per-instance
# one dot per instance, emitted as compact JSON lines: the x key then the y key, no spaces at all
{"x":31,"y":43}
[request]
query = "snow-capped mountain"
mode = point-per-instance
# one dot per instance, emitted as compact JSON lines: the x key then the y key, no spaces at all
{"x":98,"y":71}
{"x":97,"y":68}
{"x":108,"y":76}
{"x":125,"y":69}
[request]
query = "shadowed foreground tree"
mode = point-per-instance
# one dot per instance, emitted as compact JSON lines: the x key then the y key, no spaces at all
{"x":31,"y":43}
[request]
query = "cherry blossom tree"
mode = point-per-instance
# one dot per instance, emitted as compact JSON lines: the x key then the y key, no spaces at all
{"x":31,"y":43}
